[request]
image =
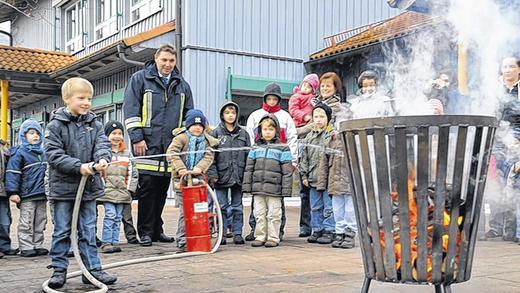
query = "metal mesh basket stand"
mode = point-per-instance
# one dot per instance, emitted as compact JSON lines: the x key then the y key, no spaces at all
{"x":411,"y":175}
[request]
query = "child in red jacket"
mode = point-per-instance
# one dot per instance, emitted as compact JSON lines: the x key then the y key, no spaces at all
{"x":300,"y":106}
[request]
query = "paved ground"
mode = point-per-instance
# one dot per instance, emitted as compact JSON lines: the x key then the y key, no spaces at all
{"x":295,"y":266}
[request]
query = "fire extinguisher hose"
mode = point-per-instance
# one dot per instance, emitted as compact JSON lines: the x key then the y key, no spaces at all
{"x":102,"y":287}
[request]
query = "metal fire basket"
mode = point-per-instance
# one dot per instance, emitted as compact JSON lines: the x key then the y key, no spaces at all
{"x":418,"y":183}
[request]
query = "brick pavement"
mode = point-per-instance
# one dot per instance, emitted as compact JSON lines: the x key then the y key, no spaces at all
{"x":295,"y":266}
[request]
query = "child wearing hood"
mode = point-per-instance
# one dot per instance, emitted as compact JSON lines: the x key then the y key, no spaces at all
{"x":287,"y":134}
{"x":229,"y":167}
{"x":198,"y":144}
{"x":120,"y":179}
{"x":25,"y":186}
{"x":268,"y":177}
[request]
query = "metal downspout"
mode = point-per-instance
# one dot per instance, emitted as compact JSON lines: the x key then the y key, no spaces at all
{"x":123,"y":57}
{"x":178,"y":33}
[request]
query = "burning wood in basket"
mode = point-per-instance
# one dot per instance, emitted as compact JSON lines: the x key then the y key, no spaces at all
{"x":413,"y":212}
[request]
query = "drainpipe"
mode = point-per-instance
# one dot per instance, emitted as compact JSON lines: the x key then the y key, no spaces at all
{"x":123,"y":57}
{"x":178,"y":33}
{"x":4,"y":108}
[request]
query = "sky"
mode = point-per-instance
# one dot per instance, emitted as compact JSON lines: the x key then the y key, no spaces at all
{"x":4,"y":26}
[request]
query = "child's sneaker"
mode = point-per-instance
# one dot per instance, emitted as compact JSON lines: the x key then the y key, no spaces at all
{"x":237,"y":239}
{"x":337,"y":240}
{"x":326,"y":238}
{"x":103,"y":277}
{"x":58,"y":278}
{"x":250,"y":236}
{"x":257,"y":243}
{"x":314,"y":237}
{"x":270,"y":244}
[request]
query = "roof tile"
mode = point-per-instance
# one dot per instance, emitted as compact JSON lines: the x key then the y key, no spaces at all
{"x":400,"y":25}
{"x":32,"y":60}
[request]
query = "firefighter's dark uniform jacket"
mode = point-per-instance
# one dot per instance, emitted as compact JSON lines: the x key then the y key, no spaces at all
{"x":152,"y":110}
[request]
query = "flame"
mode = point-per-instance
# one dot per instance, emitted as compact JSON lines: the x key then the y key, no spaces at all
{"x":413,"y":212}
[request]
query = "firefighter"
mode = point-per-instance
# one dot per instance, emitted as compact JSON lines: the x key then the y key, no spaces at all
{"x":156,"y":99}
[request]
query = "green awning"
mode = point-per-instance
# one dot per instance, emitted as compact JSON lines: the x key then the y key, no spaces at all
{"x":114,"y":97}
{"x":253,"y":85}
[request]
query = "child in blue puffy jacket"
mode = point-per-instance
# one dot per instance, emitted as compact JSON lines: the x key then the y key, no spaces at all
{"x":25,"y":186}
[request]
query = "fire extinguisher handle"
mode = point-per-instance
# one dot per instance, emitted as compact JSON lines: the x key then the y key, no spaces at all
{"x":190,"y":180}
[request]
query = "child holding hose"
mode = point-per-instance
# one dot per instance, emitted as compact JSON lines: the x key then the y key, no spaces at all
{"x":75,"y":146}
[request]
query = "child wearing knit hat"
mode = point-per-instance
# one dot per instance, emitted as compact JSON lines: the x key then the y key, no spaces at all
{"x":197,"y":143}
{"x":300,"y":106}
{"x":121,"y":178}
{"x":322,"y":219}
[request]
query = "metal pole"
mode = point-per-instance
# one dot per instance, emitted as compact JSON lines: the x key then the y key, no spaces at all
{"x":4,"y":108}
{"x":462,"y":66}
{"x":178,"y":33}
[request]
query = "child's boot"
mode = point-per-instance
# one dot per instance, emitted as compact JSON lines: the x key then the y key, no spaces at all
{"x":349,"y":241}
{"x":103,"y":277}
{"x":314,"y":237}
{"x":337,"y":240}
{"x":237,"y":239}
{"x":58,"y":278}
{"x":326,"y":238}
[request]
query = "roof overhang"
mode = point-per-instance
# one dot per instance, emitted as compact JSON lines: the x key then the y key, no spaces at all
{"x":394,"y":28}
{"x":138,"y":48}
{"x":26,"y":87}
{"x":29,"y":85}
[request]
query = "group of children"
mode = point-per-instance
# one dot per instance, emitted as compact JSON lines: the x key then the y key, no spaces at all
{"x":259,"y":160}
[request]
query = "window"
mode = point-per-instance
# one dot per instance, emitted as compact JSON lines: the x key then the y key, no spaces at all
{"x":107,"y":12}
{"x":75,"y":24}
{"x":141,"y":9}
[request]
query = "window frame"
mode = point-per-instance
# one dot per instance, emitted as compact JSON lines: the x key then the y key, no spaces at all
{"x":113,"y":19}
{"x":151,"y":10}
{"x":79,"y":13}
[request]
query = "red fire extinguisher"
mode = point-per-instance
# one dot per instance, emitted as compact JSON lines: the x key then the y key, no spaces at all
{"x":196,"y":215}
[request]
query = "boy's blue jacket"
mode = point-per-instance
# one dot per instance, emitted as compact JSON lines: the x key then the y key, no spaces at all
{"x":25,"y":172}
{"x":69,"y":142}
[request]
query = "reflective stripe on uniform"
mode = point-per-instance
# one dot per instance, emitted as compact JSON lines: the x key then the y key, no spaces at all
{"x":133,"y":122}
{"x":151,"y":165}
{"x":147,"y":109}
{"x":153,"y":168}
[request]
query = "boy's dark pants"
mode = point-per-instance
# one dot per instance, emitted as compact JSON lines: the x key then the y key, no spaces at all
{"x":128,"y":222}
{"x":236,"y":213}
{"x":252,"y":221}
{"x":152,"y":194}
{"x":61,"y":243}
{"x":5,"y":224}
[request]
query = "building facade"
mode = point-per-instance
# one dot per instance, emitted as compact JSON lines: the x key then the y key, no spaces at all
{"x":230,"y":48}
